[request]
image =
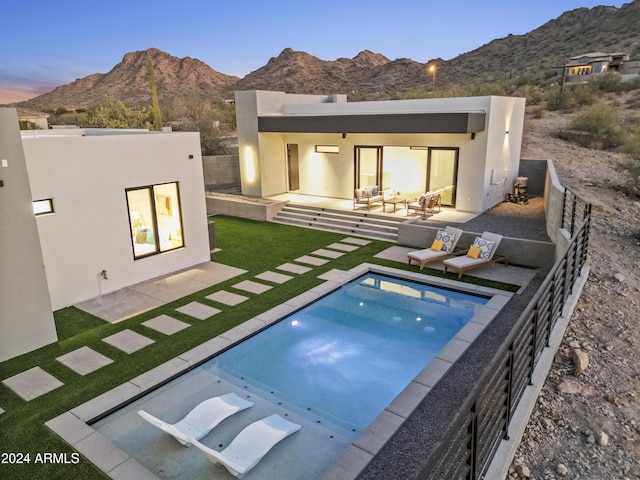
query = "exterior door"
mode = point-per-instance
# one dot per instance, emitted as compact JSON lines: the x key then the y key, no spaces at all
{"x":442,"y":173}
{"x":292,"y":166}
{"x":368,"y":167}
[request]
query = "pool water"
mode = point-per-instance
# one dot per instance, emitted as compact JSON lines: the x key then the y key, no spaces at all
{"x":345,"y":357}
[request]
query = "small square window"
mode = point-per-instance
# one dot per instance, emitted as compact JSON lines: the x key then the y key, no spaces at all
{"x":40,"y":207}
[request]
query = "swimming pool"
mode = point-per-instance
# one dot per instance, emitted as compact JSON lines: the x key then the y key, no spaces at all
{"x":348,"y":355}
{"x":328,"y":408}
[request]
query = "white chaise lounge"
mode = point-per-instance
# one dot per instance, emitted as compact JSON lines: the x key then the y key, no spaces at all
{"x":250,"y":445}
{"x":481,"y":252}
{"x":201,"y":419}
{"x":442,"y":247}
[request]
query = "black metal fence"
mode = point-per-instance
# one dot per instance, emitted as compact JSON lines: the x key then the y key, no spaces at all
{"x":467,"y":448}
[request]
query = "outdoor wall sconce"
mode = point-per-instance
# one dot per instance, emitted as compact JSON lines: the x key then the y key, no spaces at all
{"x":103,"y":274}
{"x":473,"y":135}
{"x":190,"y":157}
{"x":344,"y":135}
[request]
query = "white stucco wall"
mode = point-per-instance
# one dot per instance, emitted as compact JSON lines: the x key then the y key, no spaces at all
{"x":26,"y":320}
{"x":90,"y":230}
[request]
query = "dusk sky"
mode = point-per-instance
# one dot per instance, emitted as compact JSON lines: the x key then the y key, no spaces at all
{"x":46,"y":44}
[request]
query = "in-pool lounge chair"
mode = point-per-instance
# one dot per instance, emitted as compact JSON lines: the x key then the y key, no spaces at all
{"x":250,"y":445}
{"x":202,"y":419}
{"x":481,"y":252}
{"x":442,"y":247}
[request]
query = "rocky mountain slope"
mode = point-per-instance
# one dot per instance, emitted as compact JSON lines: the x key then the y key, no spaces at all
{"x":598,"y":29}
{"x":129,"y":81}
{"x":368,"y":75}
{"x":586,"y":423}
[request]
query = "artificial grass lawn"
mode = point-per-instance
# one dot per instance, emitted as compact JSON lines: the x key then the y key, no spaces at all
{"x":253,"y":246}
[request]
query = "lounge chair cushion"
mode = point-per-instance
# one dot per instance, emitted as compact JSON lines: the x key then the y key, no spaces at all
{"x":486,"y":247}
{"x":474,"y":252}
{"x":448,"y":239}
{"x":437,"y":245}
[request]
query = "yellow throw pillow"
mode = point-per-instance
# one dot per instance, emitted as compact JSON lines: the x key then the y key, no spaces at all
{"x":437,"y":245}
{"x":474,"y":252}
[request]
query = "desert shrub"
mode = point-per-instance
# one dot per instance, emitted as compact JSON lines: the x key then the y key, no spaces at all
{"x":600,"y":122}
{"x":632,"y":142}
{"x":113,"y":113}
{"x":532,"y":93}
{"x":608,"y":82}
{"x":570,"y":97}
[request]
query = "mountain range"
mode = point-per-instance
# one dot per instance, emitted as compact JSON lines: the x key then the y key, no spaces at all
{"x":368,"y":75}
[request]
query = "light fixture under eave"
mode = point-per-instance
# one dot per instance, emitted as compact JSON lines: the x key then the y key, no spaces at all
{"x":327,"y":149}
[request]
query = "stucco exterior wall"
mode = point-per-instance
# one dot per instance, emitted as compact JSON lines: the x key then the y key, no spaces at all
{"x":26,"y":319}
{"x":90,"y":230}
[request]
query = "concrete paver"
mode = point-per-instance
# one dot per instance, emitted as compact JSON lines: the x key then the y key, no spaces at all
{"x":32,"y":383}
{"x":356,"y":241}
{"x":274,"y":277}
{"x":165,"y":324}
{"x":344,"y":247}
{"x":226,"y":298}
{"x":84,"y":360}
{"x":252,"y":287}
{"x":323,"y":252}
{"x":198,"y":310}
{"x":312,"y":260}
{"x":293,"y":268}
{"x":144,"y":296}
{"x":128,"y":341}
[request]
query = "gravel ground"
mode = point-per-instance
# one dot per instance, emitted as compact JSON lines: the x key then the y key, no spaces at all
{"x":586,"y":423}
{"x":516,"y":220}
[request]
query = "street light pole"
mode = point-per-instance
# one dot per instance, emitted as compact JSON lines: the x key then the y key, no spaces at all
{"x":432,"y":69}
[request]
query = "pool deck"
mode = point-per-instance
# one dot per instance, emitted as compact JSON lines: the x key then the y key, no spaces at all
{"x":74,"y":426}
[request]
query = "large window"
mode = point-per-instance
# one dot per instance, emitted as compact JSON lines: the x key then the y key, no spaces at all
{"x":155,"y":219}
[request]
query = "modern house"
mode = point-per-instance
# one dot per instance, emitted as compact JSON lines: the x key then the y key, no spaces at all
{"x":325,"y":146}
{"x":104,"y":209}
{"x":588,"y":66}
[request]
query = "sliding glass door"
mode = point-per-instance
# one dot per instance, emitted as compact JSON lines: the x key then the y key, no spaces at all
{"x":442,"y":173}
{"x":368,"y":167}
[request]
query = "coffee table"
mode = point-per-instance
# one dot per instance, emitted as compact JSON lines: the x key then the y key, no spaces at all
{"x":394,"y":201}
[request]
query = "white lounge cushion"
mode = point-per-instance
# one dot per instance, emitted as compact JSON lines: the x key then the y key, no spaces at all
{"x":251,"y":444}
{"x":201,"y":419}
{"x":451,"y":234}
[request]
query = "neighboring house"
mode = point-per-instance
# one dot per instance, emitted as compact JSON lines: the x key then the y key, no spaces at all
{"x":32,"y":120}
{"x":325,"y":146}
{"x":101,"y":210}
{"x":588,"y":65}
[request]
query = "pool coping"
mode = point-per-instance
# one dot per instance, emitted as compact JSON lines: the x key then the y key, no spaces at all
{"x":73,"y":425}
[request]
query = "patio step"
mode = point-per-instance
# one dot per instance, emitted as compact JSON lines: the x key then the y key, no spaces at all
{"x":364,"y":224}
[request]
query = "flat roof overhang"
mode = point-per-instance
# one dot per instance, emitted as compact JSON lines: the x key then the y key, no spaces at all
{"x":458,"y":122}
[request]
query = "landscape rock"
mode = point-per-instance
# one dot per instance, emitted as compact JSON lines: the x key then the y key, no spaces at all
{"x":561,"y":469}
{"x":603,"y":439}
{"x":523,"y":471}
{"x":580,"y":362}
